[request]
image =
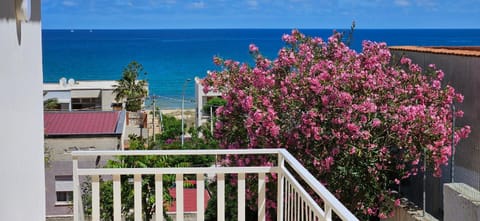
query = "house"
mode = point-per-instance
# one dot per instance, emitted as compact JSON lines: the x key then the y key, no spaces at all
{"x":68,"y":131}
{"x":462,"y":71}
{"x":82,"y":95}
{"x":201,"y":98}
{"x":22,"y":189}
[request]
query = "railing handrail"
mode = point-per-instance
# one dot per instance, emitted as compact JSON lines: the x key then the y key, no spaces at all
{"x":175,"y":170}
{"x":316,"y":186}
{"x":190,"y":152}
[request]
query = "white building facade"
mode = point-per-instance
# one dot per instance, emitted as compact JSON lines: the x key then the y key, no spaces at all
{"x":82,"y":95}
{"x":22,"y":186}
{"x":201,"y":98}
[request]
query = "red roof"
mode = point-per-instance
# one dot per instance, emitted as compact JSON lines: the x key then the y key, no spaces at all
{"x":189,"y":200}
{"x":80,"y":123}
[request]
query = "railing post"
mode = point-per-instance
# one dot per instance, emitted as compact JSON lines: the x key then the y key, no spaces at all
{"x":159,"y":197}
{"x":117,"y":198}
{"x":76,"y":190}
{"x":241,"y":197}
{"x":200,"y":197}
{"x":221,"y":196}
{"x":95,"y":198}
{"x":280,"y":188}
{"x":137,"y":186}
{"x":328,"y":212}
{"x":179,"y":199}
{"x":261,"y":197}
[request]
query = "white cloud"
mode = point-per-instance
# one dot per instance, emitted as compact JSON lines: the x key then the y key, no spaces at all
{"x":69,"y":3}
{"x":402,"y":3}
{"x":198,"y":5}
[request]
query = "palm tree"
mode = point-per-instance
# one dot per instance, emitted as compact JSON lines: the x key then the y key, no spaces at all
{"x":130,"y":89}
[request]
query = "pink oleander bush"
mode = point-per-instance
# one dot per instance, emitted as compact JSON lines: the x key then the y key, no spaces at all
{"x":357,"y":121}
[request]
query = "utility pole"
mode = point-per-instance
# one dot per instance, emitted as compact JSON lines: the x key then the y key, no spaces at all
{"x":153,"y":119}
{"x":211,"y":120}
{"x":183,"y":106}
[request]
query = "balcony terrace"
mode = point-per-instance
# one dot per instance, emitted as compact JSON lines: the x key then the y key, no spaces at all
{"x":295,"y":186}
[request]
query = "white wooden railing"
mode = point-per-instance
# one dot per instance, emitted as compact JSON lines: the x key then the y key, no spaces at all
{"x":295,"y":203}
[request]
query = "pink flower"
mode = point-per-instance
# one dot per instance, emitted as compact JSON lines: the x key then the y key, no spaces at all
{"x":459,"y":98}
{"x":376,"y":122}
{"x":440,"y":75}
{"x":397,"y":202}
{"x":248,"y":103}
{"x":353,"y":128}
{"x":253,"y":48}
{"x":328,"y":163}
{"x":353,"y":150}
{"x":326,"y":103}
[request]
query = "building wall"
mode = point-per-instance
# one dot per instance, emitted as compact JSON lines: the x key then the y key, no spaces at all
{"x":22,"y":188}
{"x":462,"y":202}
{"x":61,"y":165}
{"x":201,"y":100}
{"x":107,"y":99}
{"x":463,"y":73}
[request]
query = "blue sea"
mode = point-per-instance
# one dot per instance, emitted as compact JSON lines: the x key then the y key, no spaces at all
{"x":171,"y":56}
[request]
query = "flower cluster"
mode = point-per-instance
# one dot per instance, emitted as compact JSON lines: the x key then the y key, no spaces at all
{"x":358,"y":121}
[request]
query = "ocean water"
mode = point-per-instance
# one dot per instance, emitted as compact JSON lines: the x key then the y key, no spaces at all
{"x":171,"y":56}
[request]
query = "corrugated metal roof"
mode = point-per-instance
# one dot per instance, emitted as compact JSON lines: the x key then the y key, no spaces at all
{"x":473,"y":51}
{"x":189,"y":200}
{"x":80,"y":123}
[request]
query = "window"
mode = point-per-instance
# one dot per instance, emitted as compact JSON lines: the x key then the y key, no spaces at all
{"x":88,"y":103}
{"x":65,"y":196}
{"x":64,"y":190}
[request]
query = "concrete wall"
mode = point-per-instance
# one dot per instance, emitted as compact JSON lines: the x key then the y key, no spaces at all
{"x":404,"y":213}
{"x":462,"y":202}
{"x":22,"y":188}
{"x":58,"y":146}
{"x":107,"y":99}
{"x":61,"y":165}
{"x":463,"y":73}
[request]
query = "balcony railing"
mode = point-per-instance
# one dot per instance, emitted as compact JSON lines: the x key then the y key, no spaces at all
{"x":294,"y":186}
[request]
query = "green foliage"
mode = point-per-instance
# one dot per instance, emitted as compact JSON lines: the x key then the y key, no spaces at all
{"x":130,"y":88}
{"x":214,"y":102}
{"x":172,"y":128}
{"x":51,"y":104}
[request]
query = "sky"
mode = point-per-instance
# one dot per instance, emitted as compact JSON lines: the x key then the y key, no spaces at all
{"x":183,"y":14}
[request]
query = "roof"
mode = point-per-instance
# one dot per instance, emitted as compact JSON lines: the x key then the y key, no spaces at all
{"x":472,"y":51}
{"x":84,"y":123}
{"x":80,"y":85}
{"x":190,"y":200}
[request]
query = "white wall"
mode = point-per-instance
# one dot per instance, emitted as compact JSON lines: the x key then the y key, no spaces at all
{"x":108,"y":97}
{"x":200,"y":100}
{"x":22,"y":186}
